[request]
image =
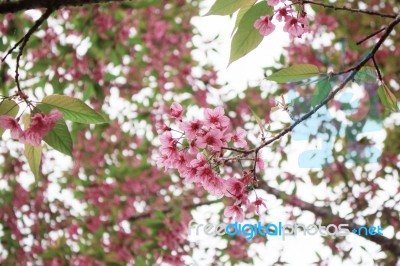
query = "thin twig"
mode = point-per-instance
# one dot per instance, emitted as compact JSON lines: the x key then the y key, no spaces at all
{"x":377,"y":69}
{"x":25,"y":39}
{"x":371,"y":35}
{"x":353,"y":71}
{"x":21,"y":5}
{"x":332,"y":94}
{"x":353,"y":10}
{"x":12,"y":49}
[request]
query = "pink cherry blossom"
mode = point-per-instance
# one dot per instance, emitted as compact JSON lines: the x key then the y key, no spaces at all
{"x":190,"y":175}
{"x":216,"y":117}
{"x":275,"y":2}
{"x":9,"y":122}
{"x":234,"y":188}
{"x":200,"y":161}
{"x":166,"y":139}
{"x":181,"y":161}
{"x":260,"y":162}
{"x":191,"y":128}
{"x":214,"y":185}
{"x":234,"y":211}
{"x":258,"y":203}
{"x":239,"y":138}
{"x":193,"y":149}
{"x":40,"y":126}
{"x":296,"y":27}
{"x":264,"y":25}
{"x":176,"y":111}
{"x":205,"y":173}
{"x":212,"y":138}
{"x":283,"y":14}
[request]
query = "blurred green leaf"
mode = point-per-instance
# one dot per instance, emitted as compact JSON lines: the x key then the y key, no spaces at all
{"x":247,"y":37}
{"x":295,"y":73}
{"x":322,"y":91}
{"x":8,"y":107}
{"x":33,"y":153}
{"x":74,"y":109}
{"x":388,"y":99}
{"x":366,"y":74}
{"x":224,"y":7}
{"x":243,"y":10}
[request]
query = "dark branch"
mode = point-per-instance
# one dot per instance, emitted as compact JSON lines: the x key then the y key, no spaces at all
{"x":17,"y":6}
{"x":371,"y":35}
{"x":390,"y":245}
{"x":353,"y":71}
{"x":25,"y":39}
{"x":377,"y":69}
{"x":344,"y":8}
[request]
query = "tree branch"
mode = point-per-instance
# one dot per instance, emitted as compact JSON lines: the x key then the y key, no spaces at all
{"x":332,"y":94}
{"x":388,"y":244}
{"x":344,"y":8}
{"x":24,"y":41}
{"x":17,"y":6}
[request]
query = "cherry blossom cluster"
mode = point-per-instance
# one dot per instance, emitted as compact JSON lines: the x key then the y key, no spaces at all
{"x":40,"y":126}
{"x":295,"y":25}
{"x":197,"y":153}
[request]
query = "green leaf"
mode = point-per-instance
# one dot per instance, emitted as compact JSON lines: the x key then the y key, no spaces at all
{"x":59,"y":137}
{"x":322,"y":91}
{"x":243,"y":10}
{"x":226,"y":7}
{"x":140,"y":261}
{"x":295,"y":73}
{"x":74,"y":109}
{"x":366,"y":74}
{"x":247,"y":38}
{"x":388,"y":99}
{"x":33,"y":153}
{"x":8,"y":107}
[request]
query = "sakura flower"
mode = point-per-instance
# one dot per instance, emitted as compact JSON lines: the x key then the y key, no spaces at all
{"x":176,"y":111}
{"x":166,"y":139}
{"x":205,"y":173}
{"x":296,"y":27}
{"x":264,"y":25}
{"x":234,"y":187}
{"x":190,"y":175}
{"x":191,"y":128}
{"x":214,"y":185}
{"x":41,"y":124}
{"x":234,"y":211}
{"x":226,"y":137}
{"x":239,"y":138}
{"x":283,"y":14}
{"x":260,"y":162}
{"x":170,"y":151}
{"x":181,"y":162}
{"x":242,"y":199}
{"x":9,"y":122}
{"x":258,"y":203}
{"x":212,"y":138}
{"x":193,"y":149}
{"x":275,"y":2}
{"x":200,"y":161}
{"x":216,"y":117}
